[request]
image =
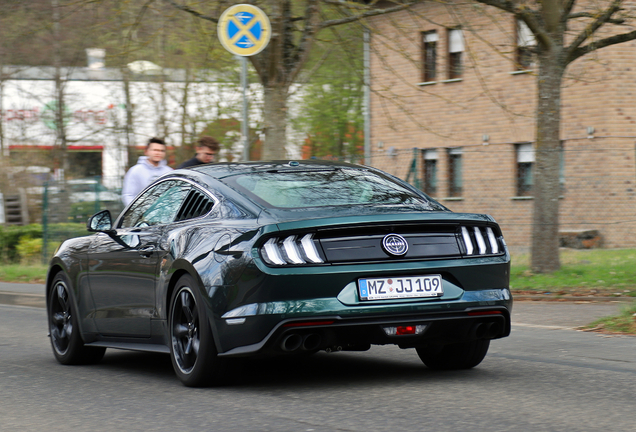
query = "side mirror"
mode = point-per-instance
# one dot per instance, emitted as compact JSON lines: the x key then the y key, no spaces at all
{"x":100,"y":222}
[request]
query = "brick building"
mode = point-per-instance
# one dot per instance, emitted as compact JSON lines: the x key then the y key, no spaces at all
{"x":453,"y":97}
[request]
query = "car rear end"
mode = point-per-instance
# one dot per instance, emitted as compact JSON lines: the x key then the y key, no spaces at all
{"x":348,"y":282}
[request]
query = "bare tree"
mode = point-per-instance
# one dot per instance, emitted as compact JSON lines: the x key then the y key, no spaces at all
{"x":295,"y":25}
{"x":589,"y":26}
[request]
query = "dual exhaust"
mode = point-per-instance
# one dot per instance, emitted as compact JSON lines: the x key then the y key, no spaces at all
{"x":295,"y":341}
{"x":486,"y":330}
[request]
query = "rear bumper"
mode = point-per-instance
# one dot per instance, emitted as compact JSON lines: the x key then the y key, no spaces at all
{"x":337,"y":332}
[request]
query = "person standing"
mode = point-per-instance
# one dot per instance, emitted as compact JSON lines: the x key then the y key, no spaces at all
{"x":148,"y":168}
{"x":207,"y":149}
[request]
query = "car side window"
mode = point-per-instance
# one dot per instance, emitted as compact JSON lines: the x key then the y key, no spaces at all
{"x":158,"y":205}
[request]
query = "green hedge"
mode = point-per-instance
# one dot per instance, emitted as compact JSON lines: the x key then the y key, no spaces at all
{"x":17,"y":243}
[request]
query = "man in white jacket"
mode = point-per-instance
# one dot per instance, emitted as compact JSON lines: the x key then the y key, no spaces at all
{"x":148,"y":168}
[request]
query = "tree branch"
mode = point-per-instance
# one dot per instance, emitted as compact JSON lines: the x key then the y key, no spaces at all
{"x":589,"y":15}
{"x":306,"y":41}
{"x":372,"y":12}
{"x":593,"y":26}
{"x":528,"y":16}
{"x":192,"y":11}
{"x":504,"y":5}
{"x":602,"y":43}
{"x":567,"y":8}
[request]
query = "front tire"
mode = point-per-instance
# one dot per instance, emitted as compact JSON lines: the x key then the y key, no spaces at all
{"x":66,"y":341}
{"x":463,"y":355}
{"x":192,"y":350}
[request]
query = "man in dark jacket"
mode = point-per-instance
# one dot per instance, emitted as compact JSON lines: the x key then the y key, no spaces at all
{"x":207,"y":148}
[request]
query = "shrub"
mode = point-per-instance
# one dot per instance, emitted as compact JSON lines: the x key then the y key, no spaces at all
{"x":29,"y":250}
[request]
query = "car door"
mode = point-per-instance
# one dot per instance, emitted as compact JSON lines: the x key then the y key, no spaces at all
{"x":123,"y":266}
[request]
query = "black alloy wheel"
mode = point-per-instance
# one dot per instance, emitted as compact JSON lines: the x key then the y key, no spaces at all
{"x":67,"y":343}
{"x":463,"y":355}
{"x":192,"y":349}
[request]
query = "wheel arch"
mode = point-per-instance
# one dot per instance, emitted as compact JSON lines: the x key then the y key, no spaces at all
{"x":181,"y":268}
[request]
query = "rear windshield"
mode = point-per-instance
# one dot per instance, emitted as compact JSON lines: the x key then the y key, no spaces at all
{"x":340,"y":187}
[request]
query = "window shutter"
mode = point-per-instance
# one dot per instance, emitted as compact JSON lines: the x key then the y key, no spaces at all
{"x":431,"y":37}
{"x":525,"y":153}
{"x":525,"y":38}
{"x":455,"y":41}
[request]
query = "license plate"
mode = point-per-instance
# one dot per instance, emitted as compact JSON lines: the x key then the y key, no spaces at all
{"x":400,"y":287}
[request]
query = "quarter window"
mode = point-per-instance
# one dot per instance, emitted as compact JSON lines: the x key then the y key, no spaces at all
{"x":455,"y":185}
{"x":525,"y":162}
{"x":430,"y":172}
{"x":525,"y":42}
{"x":429,"y":55}
{"x":455,"y":53}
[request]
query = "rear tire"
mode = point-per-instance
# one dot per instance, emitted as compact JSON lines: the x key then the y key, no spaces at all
{"x":192,"y":349}
{"x":66,"y":340}
{"x":463,"y":355}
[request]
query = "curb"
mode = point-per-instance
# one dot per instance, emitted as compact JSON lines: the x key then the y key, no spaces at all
{"x":22,"y":299}
{"x":554,"y":298}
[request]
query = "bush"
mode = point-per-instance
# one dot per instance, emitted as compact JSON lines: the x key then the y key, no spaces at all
{"x":10,"y":237}
{"x":21,"y":242}
{"x":29,"y":250}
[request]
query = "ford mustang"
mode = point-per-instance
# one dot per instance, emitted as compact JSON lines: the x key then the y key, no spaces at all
{"x":280,"y":258}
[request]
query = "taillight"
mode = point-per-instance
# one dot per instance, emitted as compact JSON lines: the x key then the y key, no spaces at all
{"x":291,"y":250}
{"x":480,"y":241}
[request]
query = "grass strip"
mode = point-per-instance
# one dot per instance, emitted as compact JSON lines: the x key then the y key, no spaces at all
{"x":35,"y":273}
{"x":584,"y":272}
{"x":624,"y":322}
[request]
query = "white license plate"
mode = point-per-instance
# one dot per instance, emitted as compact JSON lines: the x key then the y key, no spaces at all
{"x":400,"y":287}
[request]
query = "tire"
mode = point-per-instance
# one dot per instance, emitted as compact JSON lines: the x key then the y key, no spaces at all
{"x":192,"y":349}
{"x":464,"y":355}
{"x":66,"y":340}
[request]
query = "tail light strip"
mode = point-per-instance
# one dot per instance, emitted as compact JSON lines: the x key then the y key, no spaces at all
{"x":479,"y":240}
{"x":291,"y":250}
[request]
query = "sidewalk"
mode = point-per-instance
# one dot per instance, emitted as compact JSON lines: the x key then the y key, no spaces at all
{"x":525,"y":313}
{"x":21,"y":294}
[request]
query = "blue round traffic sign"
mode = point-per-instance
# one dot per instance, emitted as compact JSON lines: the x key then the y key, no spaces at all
{"x":244,"y":30}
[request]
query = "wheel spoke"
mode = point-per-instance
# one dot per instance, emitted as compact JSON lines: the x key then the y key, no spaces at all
{"x":61,"y":297}
{"x":55,"y":333}
{"x":68,"y":329}
{"x":185,"y":306}
{"x":58,"y":318}
{"x":195,"y":345}
{"x":180,"y":330}
{"x":188,"y":347}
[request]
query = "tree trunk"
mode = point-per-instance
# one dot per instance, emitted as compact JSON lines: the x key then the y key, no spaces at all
{"x":275,"y":116}
{"x":545,"y":239}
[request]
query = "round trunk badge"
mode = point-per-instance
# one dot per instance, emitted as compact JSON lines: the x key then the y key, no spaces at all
{"x":395,"y":244}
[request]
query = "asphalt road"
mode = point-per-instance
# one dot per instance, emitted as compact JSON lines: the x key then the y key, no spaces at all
{"x":542,"y":378}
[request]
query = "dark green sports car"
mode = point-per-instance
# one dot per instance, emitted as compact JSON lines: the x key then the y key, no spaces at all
{"x":280,"y":258}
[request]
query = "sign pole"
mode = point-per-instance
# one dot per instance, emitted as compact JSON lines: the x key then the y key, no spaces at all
{"x":244,"y":30}
{"x":244,"y":123}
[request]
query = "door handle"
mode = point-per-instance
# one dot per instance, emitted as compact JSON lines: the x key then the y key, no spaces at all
{"x":146,"y":252}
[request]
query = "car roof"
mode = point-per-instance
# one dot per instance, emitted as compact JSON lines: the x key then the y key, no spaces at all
{"x":227,"y":169}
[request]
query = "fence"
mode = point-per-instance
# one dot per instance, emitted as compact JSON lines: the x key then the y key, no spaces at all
{"x":67,"y":205}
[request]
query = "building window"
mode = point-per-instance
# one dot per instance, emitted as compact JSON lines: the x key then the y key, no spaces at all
{"x":525,"y":161}
{"x":455,"y":53}
{"x":429,"y":55}
{"x":525,"y":43}
{"x":430,"y":172}
{"x":455,"y":172}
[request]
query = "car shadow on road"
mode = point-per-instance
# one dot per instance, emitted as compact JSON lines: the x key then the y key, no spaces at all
{"x":321,"y":369}
{"x":336,"y":370}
